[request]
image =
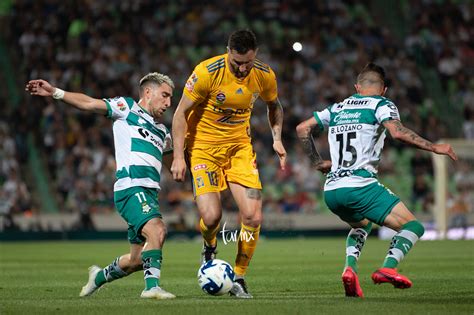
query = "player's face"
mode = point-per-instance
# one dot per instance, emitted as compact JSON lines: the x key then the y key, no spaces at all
{"x":240,"y":65}
{"x":160,"y":100}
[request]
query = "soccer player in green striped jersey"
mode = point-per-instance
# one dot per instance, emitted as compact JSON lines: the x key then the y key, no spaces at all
{"x":142,"y":145}
{"x":356,"y":132}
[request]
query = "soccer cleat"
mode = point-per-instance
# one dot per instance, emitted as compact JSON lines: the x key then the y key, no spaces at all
{"x":390,"y":275}
{"x":208,"y":253}
{"x":157,"y":293}
{"x":239,"y":290}
{"x":351,"y":283}
{"x":90,"y":286}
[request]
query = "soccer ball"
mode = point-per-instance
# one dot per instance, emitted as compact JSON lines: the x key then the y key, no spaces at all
{"x":216,"y":277}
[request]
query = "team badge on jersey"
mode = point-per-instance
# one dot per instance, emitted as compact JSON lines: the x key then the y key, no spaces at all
{"x":121,"y":106}
{"x":191,"y":81}
{"x":239,"y":91}
{"x":220,"y":98}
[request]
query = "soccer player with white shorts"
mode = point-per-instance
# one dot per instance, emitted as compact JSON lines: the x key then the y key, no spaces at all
{"x":356,"y":132}
{"x":142,"y":145}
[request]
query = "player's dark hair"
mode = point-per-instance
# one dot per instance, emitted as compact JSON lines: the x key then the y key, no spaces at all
{"x":367,"y":74}
{"x":242,"y":41}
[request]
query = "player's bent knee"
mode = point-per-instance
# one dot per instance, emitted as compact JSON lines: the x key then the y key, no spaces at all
{"x":154,"y":231}
{"x":211,"y":221}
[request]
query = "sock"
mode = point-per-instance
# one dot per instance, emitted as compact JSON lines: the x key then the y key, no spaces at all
{"x":151,"y":267}
{"x":246,"y":246}
{"x":402,"y":242}
{"x":354,"y":243}
{"x":110,"y":273}
{"x":209,"y":235}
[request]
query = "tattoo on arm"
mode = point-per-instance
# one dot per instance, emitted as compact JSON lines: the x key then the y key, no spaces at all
{"x":275,"y":118}
{"x":410,"y":137}
{"x":253,"y":193}
{"x":309,"y":147}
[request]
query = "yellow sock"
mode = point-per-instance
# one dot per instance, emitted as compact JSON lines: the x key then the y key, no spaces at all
{"x":209,"y":235}
{"x":246,"y":246}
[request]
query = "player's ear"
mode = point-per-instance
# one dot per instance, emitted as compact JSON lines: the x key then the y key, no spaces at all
{"x":384,"y":90}
{"x":357,"y":87}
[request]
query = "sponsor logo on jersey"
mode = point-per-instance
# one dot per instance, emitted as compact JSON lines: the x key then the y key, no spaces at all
{"x":357,"y":102}
{"x":145,"y":134}
{"x":347,"y":118}
{"x":239,"y":91}
{"x":191,"y":81}
{"x":200,"y":167}
{"x":220,"y":98}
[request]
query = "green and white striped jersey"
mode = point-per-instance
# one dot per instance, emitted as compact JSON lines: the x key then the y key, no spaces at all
{"x":140,"y":143}
{"x":356,"y":138}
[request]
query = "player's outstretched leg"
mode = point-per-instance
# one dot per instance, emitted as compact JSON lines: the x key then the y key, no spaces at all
{"x":98,"y":277}
{"x":401,"y":243}
{"x":354,"y":244}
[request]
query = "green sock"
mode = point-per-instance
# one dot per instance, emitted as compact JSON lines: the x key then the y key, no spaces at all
{"x":402,"y":242}
{"x":354,"y":243}
{"x":110,"y":273}
{"x":151,"y":267}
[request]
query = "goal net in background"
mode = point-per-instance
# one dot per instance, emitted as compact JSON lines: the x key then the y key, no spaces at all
{"x":453,"y":208}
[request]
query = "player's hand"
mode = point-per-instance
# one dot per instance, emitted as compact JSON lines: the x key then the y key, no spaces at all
{"x":446,"y":149}
{"x":40,"y":87}
{"x":178,"y":169}
{"x":324,"y":166}
{"x":280,"y":150}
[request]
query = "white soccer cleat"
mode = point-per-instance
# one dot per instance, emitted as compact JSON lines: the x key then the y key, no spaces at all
{"x":239,"y":290}
{"x":90,"y":286}
{"x":157,"y":293}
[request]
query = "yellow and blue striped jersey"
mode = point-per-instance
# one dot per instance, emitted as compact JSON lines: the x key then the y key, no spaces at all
{"x":223,"y":102}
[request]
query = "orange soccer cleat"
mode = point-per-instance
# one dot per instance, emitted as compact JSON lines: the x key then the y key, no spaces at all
{"x":390,"y":275}
{"x":351,"y":283}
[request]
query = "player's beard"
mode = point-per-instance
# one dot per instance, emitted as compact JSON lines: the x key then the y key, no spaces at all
{"x":238,"y":73}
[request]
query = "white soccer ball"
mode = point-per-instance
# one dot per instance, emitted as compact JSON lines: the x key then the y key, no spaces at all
{"x":216,"y":277}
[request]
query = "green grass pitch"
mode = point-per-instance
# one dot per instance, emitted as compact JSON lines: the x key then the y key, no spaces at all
{"x":292,"y":276}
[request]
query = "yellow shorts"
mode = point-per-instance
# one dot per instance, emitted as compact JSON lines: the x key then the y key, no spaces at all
{"x":213,"y":166}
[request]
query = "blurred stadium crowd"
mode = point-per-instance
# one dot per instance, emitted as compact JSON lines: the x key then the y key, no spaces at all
{"x":103,"y":48}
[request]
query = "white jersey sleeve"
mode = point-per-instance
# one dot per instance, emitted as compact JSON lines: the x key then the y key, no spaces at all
{"x":323,"y":118}
{"x":386,"y":110}
{"x":118,"y":107}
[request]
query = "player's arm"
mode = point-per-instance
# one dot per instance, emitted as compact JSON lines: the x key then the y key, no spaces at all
{"x":180,"y":126}
{"x":403,"y":134}
{"x":78,"y":100}
{"x":304,"y":132}
{"x":275,"y":119}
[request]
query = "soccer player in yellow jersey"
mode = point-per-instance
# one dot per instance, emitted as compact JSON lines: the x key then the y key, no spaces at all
{"x":211,"y":130}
